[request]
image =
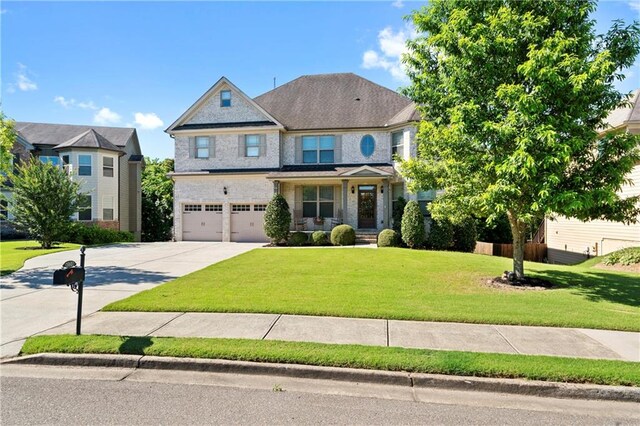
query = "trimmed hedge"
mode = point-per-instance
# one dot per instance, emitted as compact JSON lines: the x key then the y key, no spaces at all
{"x":465,"y":236}
{"x":277,"y":219}
{"x":440,"y":235}
{"x":413,"y":233}
{"x":298,"y":239}
{"x":343,"y":235}
{"x":388,"y":238}
{"x":320,"y":238}
{"x":82,"y":234}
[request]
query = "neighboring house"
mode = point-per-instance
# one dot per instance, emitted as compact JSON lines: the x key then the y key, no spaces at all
{"x":326,"y":142}
{"x":107,"y":162}
{"x":570,"y":240}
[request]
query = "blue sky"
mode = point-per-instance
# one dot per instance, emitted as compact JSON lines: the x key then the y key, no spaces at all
{"x":143,"y":64}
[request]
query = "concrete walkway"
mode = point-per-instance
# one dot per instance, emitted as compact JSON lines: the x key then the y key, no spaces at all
{"x":566,"y":342}
{"x":30,"y":304}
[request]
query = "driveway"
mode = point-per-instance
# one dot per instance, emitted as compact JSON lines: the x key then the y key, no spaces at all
{"x":30,"y":304}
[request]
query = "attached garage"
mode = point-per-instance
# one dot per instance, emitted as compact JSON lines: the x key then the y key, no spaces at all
{"x":202,"y":222}
{"x":247,"y":222}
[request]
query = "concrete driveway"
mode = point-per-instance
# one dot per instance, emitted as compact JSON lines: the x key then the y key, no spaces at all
{"x":30,"y":304}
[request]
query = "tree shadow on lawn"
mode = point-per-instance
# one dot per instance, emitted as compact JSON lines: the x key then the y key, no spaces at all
{"x":96,"y":276}
{"x":597,"y":286}
{"x":134,"y":345}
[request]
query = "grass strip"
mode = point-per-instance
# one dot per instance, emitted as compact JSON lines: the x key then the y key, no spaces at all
{"x":532,"y":367}
{"x":13,"y":254}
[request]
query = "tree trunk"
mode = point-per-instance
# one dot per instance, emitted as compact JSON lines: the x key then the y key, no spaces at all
{"x":518,"y":232}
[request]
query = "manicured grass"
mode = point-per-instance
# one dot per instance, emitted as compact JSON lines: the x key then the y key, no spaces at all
{"x":13,"y":254}
{"x":370,"y":357}
{"x":398,"y":284}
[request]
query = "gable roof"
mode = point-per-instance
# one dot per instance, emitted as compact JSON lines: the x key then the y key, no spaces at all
{"x":626,"y":114}
{"x":55,"y":134}
{"x":212,"y":90}
{"x":332,"y":101}
{"x":89,"y":139}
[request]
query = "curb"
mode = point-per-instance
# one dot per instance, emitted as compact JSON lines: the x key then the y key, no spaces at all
{"x":418,"y":380}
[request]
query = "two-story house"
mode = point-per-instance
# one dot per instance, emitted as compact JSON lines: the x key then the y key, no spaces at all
{"x":106,"y":161}
{"x":326,"y":142}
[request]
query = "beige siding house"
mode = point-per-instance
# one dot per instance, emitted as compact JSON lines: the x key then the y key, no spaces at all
{"x":107,"y":162}
{"x":326,"y":142}
{"x":570,"y":240}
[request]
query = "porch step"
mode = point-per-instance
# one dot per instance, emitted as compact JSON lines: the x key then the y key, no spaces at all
{"x":368,"y":238}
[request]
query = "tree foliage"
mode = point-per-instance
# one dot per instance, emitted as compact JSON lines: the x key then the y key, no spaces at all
{"x":412,"y":229}
{"x":7,"y":139}
{"x":513,"y":94}
{"x":277,"y":219}
{"x":157,"y":200}
{"x":43,"y":200}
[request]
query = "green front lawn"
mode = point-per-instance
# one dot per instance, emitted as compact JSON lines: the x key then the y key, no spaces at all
{"x":13,"y":254}
{"x":398,"y":284}
{"x":354,"y":356}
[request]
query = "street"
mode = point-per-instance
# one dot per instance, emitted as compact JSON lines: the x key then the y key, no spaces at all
{"x":58,"y":395}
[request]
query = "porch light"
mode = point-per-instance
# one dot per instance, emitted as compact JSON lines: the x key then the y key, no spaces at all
{"x":382,"y":189}
{"x":353,"y":189}
{"x":224,"y":190}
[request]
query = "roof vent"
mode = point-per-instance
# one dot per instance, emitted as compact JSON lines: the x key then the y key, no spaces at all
{"x":356,"y":99}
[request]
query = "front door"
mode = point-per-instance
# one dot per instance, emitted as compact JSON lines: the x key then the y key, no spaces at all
{"x":366,"y":206}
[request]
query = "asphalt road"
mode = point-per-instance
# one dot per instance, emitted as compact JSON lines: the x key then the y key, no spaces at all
{"x":55,"y":395}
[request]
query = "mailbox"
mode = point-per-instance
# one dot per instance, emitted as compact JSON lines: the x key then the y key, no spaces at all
{"x":68,"y":276}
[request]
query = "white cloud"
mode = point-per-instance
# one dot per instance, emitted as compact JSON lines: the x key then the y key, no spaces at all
{"x":634,"y":4}
{"x":105,"y":116}
{"x":23,"y":82}
{"x":69,"y":103}
{"x":148,"y":121}
{"x":392,"y":46}
{"x":398,"y":3}
{"x":87,"y":105}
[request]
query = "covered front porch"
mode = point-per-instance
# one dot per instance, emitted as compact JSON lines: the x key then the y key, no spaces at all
{"x":357,"y":196}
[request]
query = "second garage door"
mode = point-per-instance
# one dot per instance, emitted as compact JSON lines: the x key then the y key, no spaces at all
{"x":202,"y":222}
{"x":247,"y":222}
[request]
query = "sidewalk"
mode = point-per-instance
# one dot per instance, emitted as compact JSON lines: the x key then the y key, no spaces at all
{"x":566,"y":342}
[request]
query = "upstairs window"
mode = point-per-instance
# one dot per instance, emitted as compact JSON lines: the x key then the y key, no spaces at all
{"x":84,"y":165}
{"x":252,"y":146}
{"x":202,"y":147}
{"x":318,"y":149}
{"x":107,"y":166}
{"x":397,"y":144}
{"x":51,"y":159}
{"x":225,"y":98}
{"x":367,"y":145}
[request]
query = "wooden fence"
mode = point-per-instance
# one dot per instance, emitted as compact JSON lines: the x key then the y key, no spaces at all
{"x":532,"y":251}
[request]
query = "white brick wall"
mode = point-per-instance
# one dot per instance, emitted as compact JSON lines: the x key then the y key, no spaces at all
{"x":212,"y":112}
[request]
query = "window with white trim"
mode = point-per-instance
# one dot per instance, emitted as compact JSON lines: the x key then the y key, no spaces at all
{"x":241,"y":208}
{"x":225,"y":98}
{"x":397,"y":144}
{"x":260,"y":208}
{"x":252,"y":146}
{"x":424,"y":200}
{"x":107,"y":208}
{"x":84,"y":165}
{"x":213,"y":207}
{"x":192,"y":208}
{"x":84,"y":207}
{"x":318,"y":149}
{"x":317,"y":201}
{"x":202,"y":146}
{"x":107,"y":166}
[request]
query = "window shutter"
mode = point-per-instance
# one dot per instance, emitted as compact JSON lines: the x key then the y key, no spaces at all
{"x":298,"y":149}
{"x":240,"y":145}
{"x":337,"y":150}
{"x":337,"y":200}
{"x":263,"y":145}
{"x":212,"y":146}
{"x":192,"y":147}
{"x":298,"y":199}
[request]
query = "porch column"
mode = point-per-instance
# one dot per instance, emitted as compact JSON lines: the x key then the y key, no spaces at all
{"x":345,"y":184}
{"x":276,"y":187}
{"x":385,"y":204}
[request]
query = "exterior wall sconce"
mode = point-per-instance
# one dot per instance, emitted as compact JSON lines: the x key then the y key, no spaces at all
{"x":353,"y":189}
{"x":382,"y":189}
{"x":224,"y":190}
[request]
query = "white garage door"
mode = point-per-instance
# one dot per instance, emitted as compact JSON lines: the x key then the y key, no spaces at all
{"x":247,"y":222}
{"x":202,"y":222}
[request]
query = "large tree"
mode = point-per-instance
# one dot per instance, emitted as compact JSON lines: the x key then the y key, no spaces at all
{"x":513,"y":94}
{"x":7,"y":139}
{"x":157,"y":200}
{"x":43,"y":200}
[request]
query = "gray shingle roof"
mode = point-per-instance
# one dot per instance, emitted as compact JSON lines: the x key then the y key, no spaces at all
{"x":332,"y":101}
{"x":623,"y":115}
{"x":55,"y":134}
{"x":89,"y":139}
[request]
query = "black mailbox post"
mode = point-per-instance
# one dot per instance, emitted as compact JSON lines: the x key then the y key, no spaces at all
{"x":73,"y":276}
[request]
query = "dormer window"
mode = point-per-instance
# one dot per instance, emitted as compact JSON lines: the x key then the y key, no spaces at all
{"x":225,"y":98}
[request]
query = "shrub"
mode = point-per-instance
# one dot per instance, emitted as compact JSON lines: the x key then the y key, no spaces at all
{"x":440,"y":235}
{"x":465,"y":236}
{"x":277,"y":219}
{"x":388,"y":238}
{"x":83,"y":234}
{"x":320,"y":238}
{"x":298,"y":239}
{"x":412,"y":225}
{"x":343,"y":235}
{"x":628,"y":256}
{"x":396,"y":215}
